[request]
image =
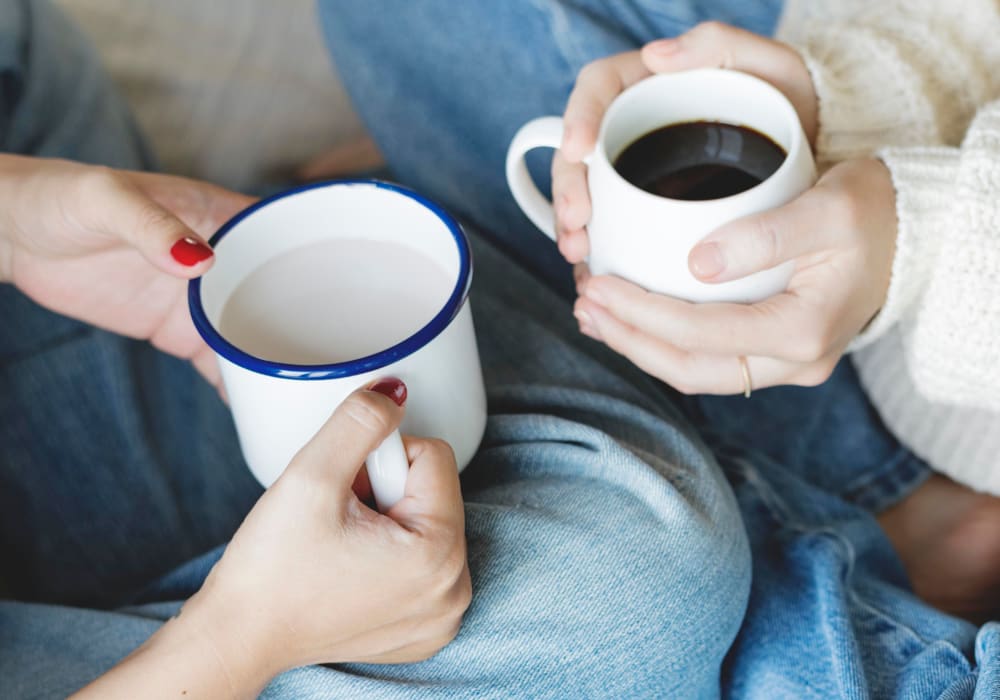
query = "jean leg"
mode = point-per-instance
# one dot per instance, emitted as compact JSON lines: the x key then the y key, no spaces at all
{"x":443,"y":86}
{"x":55,"y":98}
{"x":829,"y":435}
{"x":116,"y":462}
{"x":607,"y":553}
{"x":831,"y":614}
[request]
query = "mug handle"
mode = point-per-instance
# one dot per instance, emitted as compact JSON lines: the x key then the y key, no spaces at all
{"x":387,"y":469}
{"x":544,"y":132}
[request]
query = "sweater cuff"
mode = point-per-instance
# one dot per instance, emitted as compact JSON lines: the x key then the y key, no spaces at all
{"x":861,"y":110}
{"x":924,"y":179}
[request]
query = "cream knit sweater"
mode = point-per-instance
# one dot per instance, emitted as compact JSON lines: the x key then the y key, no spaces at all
{"x":917,"y":83}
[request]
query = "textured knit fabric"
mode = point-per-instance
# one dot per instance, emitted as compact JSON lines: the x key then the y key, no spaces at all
{"x":917,"y":84}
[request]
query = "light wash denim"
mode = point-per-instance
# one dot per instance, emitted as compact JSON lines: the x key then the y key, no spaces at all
{"x":443,"y":87}
{"x":607,"y":550}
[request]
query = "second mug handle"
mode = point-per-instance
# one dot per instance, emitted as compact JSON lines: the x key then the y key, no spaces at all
{"x":544,"y":132}
{"x":388,"y":467}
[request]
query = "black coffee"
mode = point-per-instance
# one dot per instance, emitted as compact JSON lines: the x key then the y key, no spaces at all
{"x":699,"y":160}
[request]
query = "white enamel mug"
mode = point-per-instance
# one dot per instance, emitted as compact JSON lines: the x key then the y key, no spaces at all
{"x":646,"y":238}
{"x":278,"y":407}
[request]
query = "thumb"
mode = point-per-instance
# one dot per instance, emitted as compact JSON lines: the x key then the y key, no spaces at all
{"x":358,"y":425}
{"x":131,"y":215}
{"x":761,"y":241}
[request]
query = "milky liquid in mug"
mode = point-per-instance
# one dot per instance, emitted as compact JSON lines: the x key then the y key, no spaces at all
{"x":334,"y":301}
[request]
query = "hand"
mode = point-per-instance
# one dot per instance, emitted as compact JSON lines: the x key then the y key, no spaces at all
{"x":112,"y":248}
{"x":315,"y":576}
{"x":709,"y":45}
{"x":841,"y":235}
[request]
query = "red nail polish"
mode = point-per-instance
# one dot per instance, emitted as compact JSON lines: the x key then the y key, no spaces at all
{"x":391,"y":387}
{"x":189,"y":251}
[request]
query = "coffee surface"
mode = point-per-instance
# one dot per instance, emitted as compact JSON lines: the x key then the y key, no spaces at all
{"x":699,"y":160}
{"x":334,"y":301}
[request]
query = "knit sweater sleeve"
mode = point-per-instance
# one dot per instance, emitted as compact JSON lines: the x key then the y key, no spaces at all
{"x":948,"y":261}
{"x":903,"y":81}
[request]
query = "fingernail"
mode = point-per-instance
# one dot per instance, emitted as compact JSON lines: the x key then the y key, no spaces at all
{"x":190,"y":251}
{"x":707,"y":261}
{"x":391,"y":387}
{"x":587,"y":325}
{"x":664,"y":47}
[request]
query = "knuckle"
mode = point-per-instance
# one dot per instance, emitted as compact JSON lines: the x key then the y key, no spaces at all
{"x":683,"y":387}
{"x":439,"y":450}
{"x":710,"y":31}
{"x":765,"y":240}
{"x":98,"y":180}
{"x":812,"y":344}
{"x":817,"y":373}
{"x":593,"y":72}
{"x":844,"y":208}
{"x":368,"y":411}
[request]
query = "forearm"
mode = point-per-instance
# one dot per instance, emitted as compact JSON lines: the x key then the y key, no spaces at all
{"x":198,"y":654}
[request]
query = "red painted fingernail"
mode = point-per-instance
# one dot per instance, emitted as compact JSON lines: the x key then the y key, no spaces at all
{"x":190,"y":251}
{"x":391,"y":387}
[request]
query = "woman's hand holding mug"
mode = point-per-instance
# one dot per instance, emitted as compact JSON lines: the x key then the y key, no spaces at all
{"x":839,"y":235}
{"x":315,"y":576}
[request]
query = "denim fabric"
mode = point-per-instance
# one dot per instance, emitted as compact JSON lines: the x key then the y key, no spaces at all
{"x":602,"y":535}
{"x":106,"y":475}
{"x":443,"y":86}
{"x":608,"y":556}
{"x":45,"y":67}
{"x":443,"y":108}
{"x":831,"y":614}
{"x":830,"y":436}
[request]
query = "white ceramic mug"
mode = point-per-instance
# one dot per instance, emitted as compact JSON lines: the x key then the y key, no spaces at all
{"x":646,"y":238}
{"x":278,"y":407}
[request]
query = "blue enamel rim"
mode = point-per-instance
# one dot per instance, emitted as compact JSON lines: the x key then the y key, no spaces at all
{"x":363,"y":364}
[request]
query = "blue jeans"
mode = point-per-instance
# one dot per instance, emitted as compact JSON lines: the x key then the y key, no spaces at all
{"x":442,"y":87}
{"x":606,"y":546}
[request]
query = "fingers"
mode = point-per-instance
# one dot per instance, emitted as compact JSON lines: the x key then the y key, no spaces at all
{"x":597,"y":85}
{"x":571,"y":199}
{"x":701,"y":373}
{"x":117,"y":207}
{"x":358,"y":425}
{"x":809,"y":224}
{"x":717,"y":45}
{"x":433,"y":494}
{"x":192,"y":208}
{"x":721,"y":329}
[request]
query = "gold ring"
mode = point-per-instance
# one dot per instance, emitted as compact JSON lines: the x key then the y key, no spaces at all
{"x":745,"y":375}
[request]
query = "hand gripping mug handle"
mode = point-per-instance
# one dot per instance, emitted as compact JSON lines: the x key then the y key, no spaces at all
{"x":387,"y":469}
{"x":544,"y":132}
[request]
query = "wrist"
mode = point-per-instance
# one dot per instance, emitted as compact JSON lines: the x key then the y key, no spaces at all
{"x":226,"y":633}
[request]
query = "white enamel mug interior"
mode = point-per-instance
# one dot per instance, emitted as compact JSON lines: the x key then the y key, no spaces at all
{"x":647,"y":238}
{"x":278,"y":407}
